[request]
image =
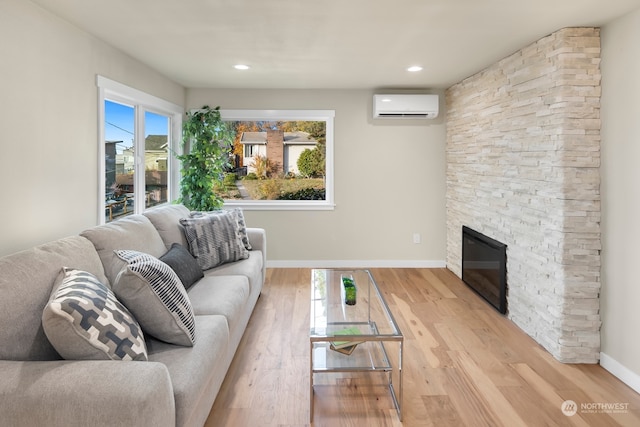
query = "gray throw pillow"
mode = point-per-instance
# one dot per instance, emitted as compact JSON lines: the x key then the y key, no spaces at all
{"x":214,"y":239}
{"x":152,"y":291}
{"x":184,"y":265}
{"x":83,"y":320}
{"x":242,"y":227}
{"x":239,"y":215}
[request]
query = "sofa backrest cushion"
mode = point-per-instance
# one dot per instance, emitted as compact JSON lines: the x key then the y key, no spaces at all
{"x":134,"y":232}
{"x":26,"y":282}
{"x":166,"y":219}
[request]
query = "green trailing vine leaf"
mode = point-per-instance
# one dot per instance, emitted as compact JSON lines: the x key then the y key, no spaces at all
{"x":207,"y":141}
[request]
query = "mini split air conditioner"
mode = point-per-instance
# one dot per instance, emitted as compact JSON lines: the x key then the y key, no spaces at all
{"x":406,"y":106}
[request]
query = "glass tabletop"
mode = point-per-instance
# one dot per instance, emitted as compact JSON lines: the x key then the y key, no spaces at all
{"x":335,"y":311}
{"x":351,"y":328}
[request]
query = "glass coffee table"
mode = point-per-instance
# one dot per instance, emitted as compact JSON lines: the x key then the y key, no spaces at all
{"x":352,"y":333}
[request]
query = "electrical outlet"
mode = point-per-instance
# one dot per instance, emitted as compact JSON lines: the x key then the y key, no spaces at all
{"x":417,"y":238}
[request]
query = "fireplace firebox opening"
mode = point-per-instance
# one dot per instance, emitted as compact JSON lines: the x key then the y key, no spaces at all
{"x":484,"y":267}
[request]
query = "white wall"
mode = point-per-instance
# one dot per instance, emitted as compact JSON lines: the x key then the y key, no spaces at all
{"x":389,"y":183}
{"x":620,"y":188}
{"x":49,"y":122}
{"x":48,"y":166}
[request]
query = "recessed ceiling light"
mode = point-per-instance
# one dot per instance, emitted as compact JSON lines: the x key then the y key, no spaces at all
{"x":241,"y":67}
{"x":414,"y":68}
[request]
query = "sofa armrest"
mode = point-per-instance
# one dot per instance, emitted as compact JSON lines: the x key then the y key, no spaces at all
{"x":258,"y":240}
{"x":85,"y":393}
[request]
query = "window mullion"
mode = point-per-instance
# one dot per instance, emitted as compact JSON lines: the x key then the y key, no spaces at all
{"x":175,"y":148}
{"x":101,"y":157}
{"x":139,"y":176}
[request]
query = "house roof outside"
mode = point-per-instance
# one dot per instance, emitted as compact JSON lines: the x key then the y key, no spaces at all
{"x":155,"y":143}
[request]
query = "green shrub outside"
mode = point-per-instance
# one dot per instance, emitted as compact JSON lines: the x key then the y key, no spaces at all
{"x":304,"y":194}
{"x":311,"y":163}
{"x":230,"y":179}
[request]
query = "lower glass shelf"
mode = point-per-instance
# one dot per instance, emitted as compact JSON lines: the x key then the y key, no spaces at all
{"x":367,"y":356}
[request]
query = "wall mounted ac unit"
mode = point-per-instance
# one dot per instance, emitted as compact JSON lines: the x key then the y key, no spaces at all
{"x":406,"y":106}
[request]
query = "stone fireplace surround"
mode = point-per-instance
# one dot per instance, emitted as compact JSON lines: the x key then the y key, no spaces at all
{"x":523,"y":157}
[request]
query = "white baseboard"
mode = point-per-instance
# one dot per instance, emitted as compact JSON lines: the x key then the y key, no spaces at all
{"x":356,"y":264}
{"x":623,"y":373}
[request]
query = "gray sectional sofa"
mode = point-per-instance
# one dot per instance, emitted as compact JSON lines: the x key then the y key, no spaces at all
{"x":175,"y":386}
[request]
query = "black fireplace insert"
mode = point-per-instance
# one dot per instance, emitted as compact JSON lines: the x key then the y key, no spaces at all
{"x":484,"y":267}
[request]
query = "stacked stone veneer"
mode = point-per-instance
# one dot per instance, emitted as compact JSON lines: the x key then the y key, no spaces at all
{"x":523,"y":157}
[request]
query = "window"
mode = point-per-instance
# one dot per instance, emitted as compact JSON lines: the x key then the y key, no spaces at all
{"x":138,"y":135}
{"x":281,"y":159}
{"x":250,"y":150}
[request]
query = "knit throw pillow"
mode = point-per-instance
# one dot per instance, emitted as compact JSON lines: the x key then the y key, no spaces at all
{"x":238,"y":214}
{"x":214,"y":239}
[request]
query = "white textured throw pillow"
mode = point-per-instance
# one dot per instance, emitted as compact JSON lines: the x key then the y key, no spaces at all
{"x":239,"y":215}
{"x":214,"y":239}
{"x":152,"y":291}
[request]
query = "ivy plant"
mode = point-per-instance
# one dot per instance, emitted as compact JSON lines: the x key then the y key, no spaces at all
{"x":207,"y":141}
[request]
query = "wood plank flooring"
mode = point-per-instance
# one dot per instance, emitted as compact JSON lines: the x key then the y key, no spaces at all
{"x":464,"y":365}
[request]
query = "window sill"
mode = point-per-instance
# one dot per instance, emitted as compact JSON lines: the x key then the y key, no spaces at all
{"x":281,"y":205}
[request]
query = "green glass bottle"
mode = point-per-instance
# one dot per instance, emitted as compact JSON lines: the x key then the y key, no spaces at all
{"x":349,"y":288}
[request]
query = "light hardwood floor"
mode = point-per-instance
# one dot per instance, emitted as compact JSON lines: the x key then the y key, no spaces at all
{"x":464,"y":365}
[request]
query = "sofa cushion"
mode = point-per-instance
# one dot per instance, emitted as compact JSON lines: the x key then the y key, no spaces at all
{"x":184,"y":264}
{"x":239,"y":216}
{"x":214,"y":239}
{"x":250,"y":268}
{"x":134,"y":232}
{"x":224,"y":295}
{"x":85,"y":393}
{"x":166,"y":219}
{"x":84,"y":320}
{"x":25,"y":287}
{"x":196,"y":372}
{"x":152,"y":291}
{"x":242,"y":227}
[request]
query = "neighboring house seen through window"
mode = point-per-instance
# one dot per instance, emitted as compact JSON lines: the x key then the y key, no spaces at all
{"x":281,"y":159}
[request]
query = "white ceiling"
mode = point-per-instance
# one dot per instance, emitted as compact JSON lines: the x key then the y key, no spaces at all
{"x":327,"y":43}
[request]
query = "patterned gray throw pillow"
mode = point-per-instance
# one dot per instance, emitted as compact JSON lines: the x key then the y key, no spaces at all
{"x":214,"y":239}
{"x":242,"y":227}
{"x":83,"y":320}
{"x":239,"y":215}
{"x":154,"y":294}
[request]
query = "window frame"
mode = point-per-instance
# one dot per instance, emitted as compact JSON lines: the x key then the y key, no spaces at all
{"x":326,"y":116}
{"x":142,"y":102}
